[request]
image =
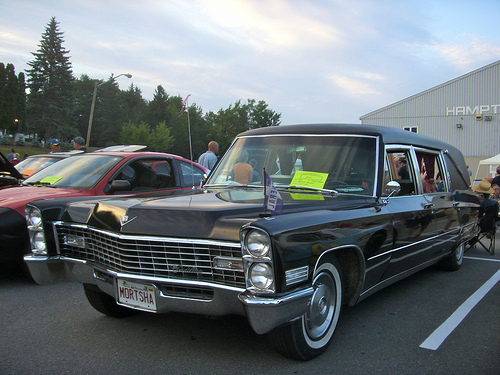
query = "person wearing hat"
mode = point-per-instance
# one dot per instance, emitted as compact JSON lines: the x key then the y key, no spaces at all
{"x":488,"y":208}
{"x":79,"y":144}
{"x":11,"y":155}
{"x":55,"y":145}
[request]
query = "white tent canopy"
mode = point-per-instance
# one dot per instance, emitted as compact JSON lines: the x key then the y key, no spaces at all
{"x":492,"y":162}
{"x":495,"y":160}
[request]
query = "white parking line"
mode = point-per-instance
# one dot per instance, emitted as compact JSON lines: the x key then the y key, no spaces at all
{"x":488,"y":259}
{"x":444,"y":330}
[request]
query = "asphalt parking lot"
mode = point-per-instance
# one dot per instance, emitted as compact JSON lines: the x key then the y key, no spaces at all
{"x":434,"y":322}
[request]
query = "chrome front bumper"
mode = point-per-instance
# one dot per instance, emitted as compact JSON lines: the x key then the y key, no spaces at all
{"x":264,"y":313}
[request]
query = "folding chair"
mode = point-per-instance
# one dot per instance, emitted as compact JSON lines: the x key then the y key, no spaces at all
{"x":486,"y":237}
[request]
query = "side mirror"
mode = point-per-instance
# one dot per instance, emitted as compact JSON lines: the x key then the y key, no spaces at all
{"x":204,"y":179}
{"x":392,"y":188}
{"x":118,"y":185}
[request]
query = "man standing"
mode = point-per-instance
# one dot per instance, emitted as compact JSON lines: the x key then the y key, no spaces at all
{"x":54,"y":145}
{"x":209,"y":158}
{"x":79,"y":144}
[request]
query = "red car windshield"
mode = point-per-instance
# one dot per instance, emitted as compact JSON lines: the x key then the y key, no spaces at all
{"x":77,"y":172}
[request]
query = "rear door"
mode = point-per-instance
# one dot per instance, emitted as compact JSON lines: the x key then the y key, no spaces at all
{"x":413,"y":215}
{"x":436,"y":191}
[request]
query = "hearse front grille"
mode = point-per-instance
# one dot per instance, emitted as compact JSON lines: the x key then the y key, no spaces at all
{"x":152,"y":256}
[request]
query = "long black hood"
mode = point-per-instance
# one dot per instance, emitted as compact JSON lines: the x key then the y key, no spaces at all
{"x":206,"y":214}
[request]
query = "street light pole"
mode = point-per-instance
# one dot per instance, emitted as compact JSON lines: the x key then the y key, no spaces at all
{"x":96,"y":85}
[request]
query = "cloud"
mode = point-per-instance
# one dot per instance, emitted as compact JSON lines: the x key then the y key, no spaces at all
{"x":466,"y":51}
{"x":358,"y":87}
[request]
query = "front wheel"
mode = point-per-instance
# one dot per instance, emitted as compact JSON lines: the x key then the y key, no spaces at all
{"x":106,"y":304}
{"x":309,"y":336}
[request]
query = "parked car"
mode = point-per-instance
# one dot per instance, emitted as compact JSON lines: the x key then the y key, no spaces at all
{"x":9,"y":175}
{"x":325,"y":220}
{"x":91,"y":174}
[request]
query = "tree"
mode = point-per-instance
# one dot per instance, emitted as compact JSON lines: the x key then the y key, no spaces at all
{"x":50,"y":83}
{"x":157,"y":108}
{"x":108,"y":114}
{"x":12,"y":99}
{"x":135,"y":134}
{"x":133,"y":104}
{"x":160,"y":139}
{"x":241,"y":117}
{"x":83,"y":90}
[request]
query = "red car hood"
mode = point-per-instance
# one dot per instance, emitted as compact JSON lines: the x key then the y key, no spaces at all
{"x":16,"y":197}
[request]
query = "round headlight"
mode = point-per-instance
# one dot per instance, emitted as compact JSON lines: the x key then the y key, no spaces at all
{"x":261,"y":275}
{"x":34,"y":217}
{"x":258,"y":243}
{"x":38,"y":243}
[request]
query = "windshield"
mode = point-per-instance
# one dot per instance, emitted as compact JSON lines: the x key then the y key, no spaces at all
{"x":76,"y":172}
{"x":345,"y":163}
{"x":33,"y":164}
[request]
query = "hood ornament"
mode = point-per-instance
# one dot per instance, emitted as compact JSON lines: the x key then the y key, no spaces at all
{"x":125,"y":220}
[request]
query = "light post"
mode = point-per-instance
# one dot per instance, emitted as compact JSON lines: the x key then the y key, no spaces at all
{"x":96,"y":85}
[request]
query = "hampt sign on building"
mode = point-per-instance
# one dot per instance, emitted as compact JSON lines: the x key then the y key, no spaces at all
{"x":474,"y":110}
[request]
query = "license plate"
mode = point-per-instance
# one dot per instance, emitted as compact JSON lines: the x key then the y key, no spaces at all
{"x":136,"y":295}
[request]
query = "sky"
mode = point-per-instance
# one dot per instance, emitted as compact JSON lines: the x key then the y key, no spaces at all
{"x":310,"y":60}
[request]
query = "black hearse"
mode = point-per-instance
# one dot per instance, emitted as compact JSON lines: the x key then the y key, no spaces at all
{"x":292,"y":223}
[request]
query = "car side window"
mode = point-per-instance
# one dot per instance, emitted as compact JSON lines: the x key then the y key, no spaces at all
{"x":191,"y":174}
{"x":400,"y":169}
{"x":431,"y":172}
{"x":147,"y":174}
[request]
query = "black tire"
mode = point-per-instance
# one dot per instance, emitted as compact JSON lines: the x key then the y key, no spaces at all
{"x":454,"y":261}
{"x":106,"y":304}
{"x":309,"y":336}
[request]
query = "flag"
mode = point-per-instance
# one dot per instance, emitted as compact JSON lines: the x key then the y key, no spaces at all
{"x":183,"y":105}
{"x":272,"y":197}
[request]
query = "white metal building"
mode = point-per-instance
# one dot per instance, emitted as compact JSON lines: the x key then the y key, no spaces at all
{"x":464,"y":112}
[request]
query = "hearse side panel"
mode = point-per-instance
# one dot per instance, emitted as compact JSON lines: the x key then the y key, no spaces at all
{"x":368,"y":230}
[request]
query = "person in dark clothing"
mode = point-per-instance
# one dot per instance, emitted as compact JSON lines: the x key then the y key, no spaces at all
{"x":488,"y":208}
{"x":79,"y":144}
{"x":496,"y":179}
{"x":403,"y":172}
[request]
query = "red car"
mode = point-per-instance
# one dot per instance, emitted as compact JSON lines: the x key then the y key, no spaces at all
{"x":92,"y":174}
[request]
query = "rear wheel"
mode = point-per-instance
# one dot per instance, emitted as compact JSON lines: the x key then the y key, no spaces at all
{"x":106,"y":304}
{"x":454,"y":261}
{"x":309,"y":336}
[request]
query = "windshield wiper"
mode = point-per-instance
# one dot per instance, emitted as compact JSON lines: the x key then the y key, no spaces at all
{"x":308,"y":189}
{"x":39,"y":183}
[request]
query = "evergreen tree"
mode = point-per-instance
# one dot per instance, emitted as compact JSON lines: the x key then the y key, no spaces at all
{"x":5,"y":120}
{"x":134,"y":105}
{"x":157,"y":108}
{"x":12,"y":99}
{"x":50,"y":83}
